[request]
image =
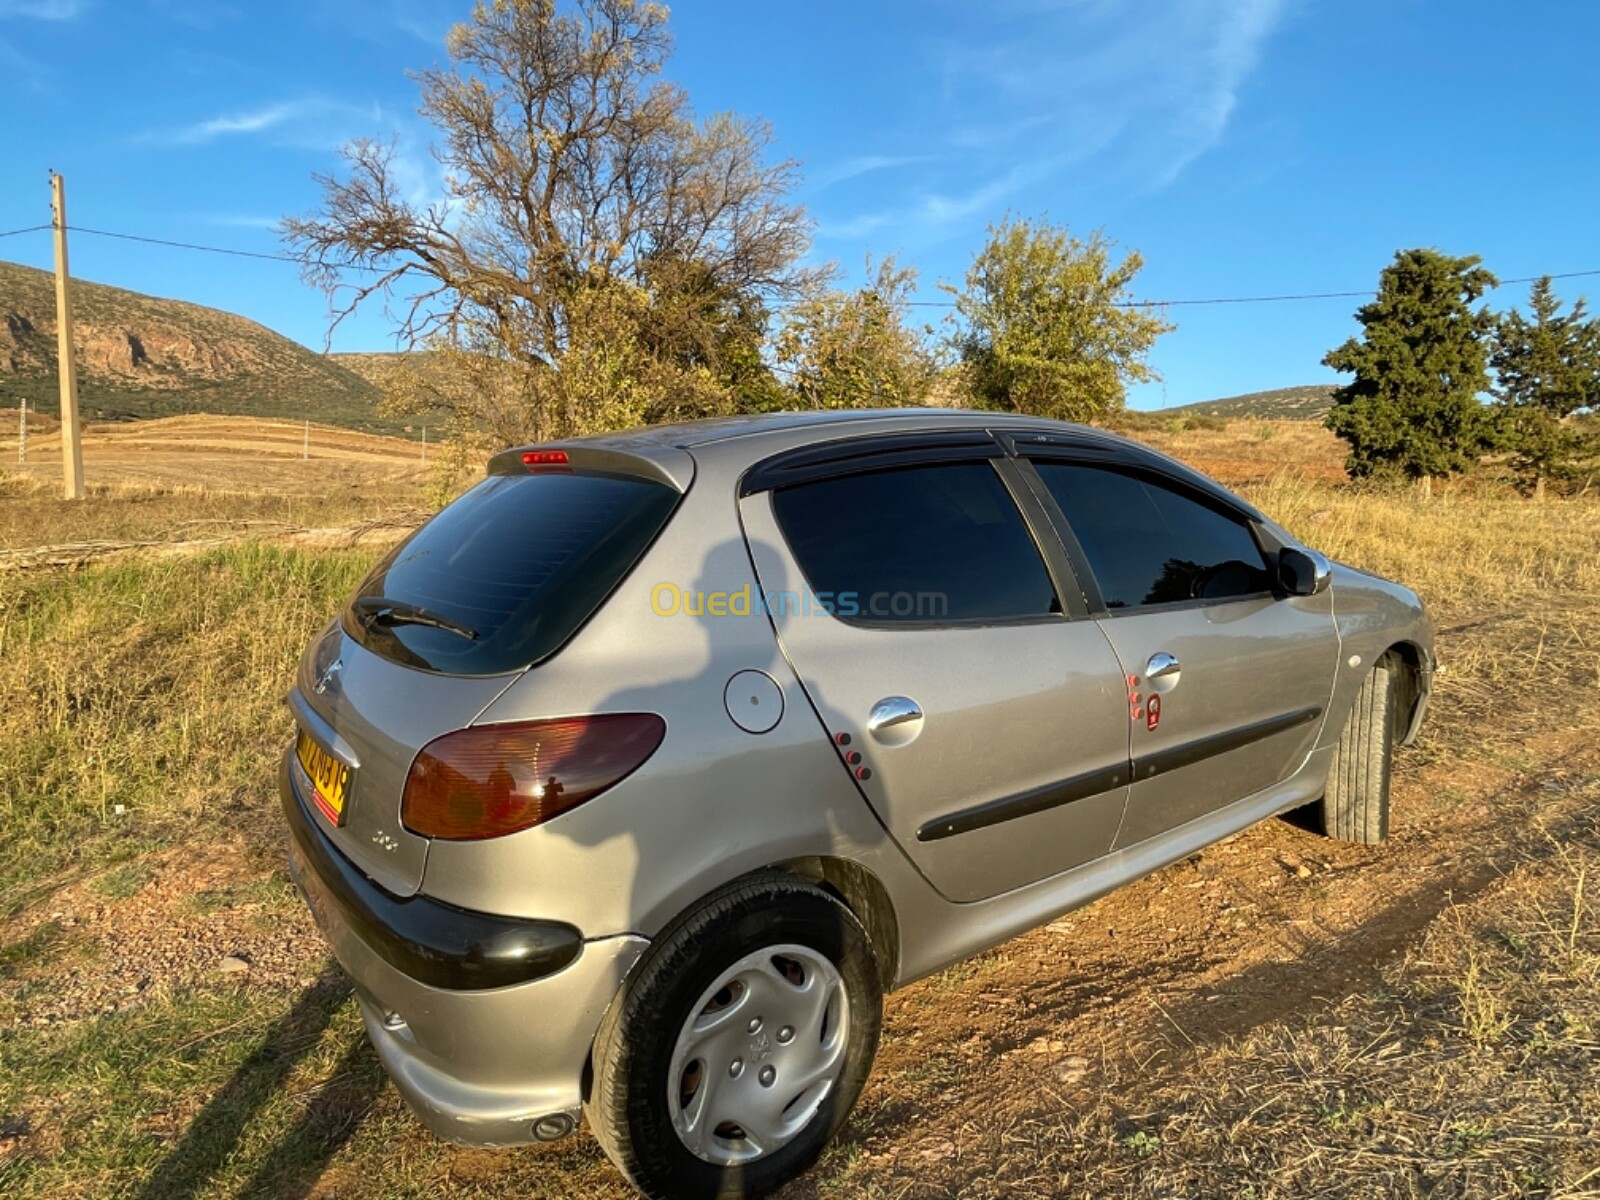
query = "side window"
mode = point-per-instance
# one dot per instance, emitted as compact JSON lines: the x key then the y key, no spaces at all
{"x":919,"y":544}
{"x":1149,"y":544}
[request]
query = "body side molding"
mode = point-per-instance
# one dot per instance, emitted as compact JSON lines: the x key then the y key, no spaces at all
{"x":1025,"y":804}
{"x":1093,"y":783}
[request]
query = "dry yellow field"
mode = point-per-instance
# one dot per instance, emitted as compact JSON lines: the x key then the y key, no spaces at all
{"x":222,"y":453}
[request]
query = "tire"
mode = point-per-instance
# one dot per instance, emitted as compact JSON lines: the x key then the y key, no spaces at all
{"x":1355,"y":807}
{"x":649,"y":1068}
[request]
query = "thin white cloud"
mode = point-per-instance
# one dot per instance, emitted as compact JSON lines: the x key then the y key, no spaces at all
{"x":986,"y":135}
{"x":863,"y":164}
{"x":1233,"y":55}
{"x":44,"y":10}
{"x":228,"y":124}
{"x":858,"y":226}
{"x":424,"y":31}
{"x":1163,"y":79}
{"x":943,"y":210}
{"x":19,"y":69}
{"x":310,"y":122}
{"x":1128,"y":96}
{"x":933,"y":211}
{"x":243,"y":221}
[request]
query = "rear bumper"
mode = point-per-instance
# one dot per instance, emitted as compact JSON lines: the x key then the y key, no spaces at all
{"x":504,"y":1049}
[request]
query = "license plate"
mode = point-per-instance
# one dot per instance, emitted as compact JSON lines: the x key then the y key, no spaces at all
{"x":329,"y":777}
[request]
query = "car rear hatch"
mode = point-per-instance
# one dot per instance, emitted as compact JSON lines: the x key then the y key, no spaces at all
{"x":497,"y":582}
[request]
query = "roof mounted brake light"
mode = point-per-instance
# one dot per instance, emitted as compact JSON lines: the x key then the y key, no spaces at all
{"x":533,"y":459}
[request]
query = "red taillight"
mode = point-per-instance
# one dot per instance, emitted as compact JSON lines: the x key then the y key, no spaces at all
{"x":544,"y":458}
{"x":497,"y":779}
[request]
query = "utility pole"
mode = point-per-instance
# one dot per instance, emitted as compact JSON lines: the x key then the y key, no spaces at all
{"x":22,"y":433}
{"x":305,"y":443}
{"x":71,"y":447}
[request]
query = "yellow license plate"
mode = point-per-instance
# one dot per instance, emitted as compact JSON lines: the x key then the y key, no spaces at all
{"x":329,"y":777}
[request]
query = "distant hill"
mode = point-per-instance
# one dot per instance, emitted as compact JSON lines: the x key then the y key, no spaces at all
{"x":1308,"y":402}
{"x":142,"y":356}
{"x":380,"y":369}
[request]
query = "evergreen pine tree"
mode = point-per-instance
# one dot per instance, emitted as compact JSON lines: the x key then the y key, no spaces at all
{"x":1547,"y":370}
{"x":1413,"y":409}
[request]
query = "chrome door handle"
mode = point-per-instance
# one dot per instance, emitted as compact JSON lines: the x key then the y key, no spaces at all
{"x":894,"y":719}
{"x":1161,"y":665}
{"x":1162,"y":671}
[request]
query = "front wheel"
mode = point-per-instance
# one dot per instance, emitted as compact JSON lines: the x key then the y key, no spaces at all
{"x":740,"y":1045}
{"x":1355,"y":807}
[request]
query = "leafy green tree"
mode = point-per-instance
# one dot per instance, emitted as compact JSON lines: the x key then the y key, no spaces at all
{"x":1047,"y":324}
{"x":1413,"y":409}
{"x":1547,"y":371}
{"x":593,"y":254}
{"x":857,"y":349}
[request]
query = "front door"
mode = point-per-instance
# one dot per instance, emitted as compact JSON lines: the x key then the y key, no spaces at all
{"x":983,"y":720}
{"x":1227,"y":681}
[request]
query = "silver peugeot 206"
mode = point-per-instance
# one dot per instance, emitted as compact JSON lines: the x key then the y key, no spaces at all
{"x":627,"y":786}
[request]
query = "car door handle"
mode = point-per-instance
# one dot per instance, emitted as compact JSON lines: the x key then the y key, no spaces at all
{"x":894,"y":720}
{"x":1162,"y":671}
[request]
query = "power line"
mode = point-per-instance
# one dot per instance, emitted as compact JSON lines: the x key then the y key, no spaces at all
{"x":1277,"y":299}
{"x":1179,"y":303}
{"x":154,"y":241}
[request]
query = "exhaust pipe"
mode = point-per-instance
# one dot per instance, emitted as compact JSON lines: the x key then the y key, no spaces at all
{"x":554,"y":1127}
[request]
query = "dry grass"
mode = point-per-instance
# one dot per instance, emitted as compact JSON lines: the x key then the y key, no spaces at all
{"x":1472,"y":1070}
{"x":182,"y":494}
{"x":1461,"y":550}
{"x":143,"y":698}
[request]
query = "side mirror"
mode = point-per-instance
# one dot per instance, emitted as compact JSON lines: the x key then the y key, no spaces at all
{"x":1303,"y":572}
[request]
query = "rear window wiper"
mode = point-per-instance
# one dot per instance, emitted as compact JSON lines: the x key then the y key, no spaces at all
{"x":380,"y":610}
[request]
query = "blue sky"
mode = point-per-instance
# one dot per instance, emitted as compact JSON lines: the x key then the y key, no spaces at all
{"x":1244,"y":147}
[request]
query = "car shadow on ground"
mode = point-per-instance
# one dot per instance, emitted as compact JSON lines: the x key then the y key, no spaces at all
{"x":292,"y":1166}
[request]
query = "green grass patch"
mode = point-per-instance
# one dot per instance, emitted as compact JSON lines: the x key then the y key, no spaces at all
{"x":41,"y":942}
{"x":120,"y":883}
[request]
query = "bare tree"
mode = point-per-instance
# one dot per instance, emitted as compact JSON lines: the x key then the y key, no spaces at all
{"x":598,"y":255}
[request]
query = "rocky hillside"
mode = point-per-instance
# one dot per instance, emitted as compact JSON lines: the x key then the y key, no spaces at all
{"x":378,"y":368}
{"x":1308,"y":402}
{"x":141,"y":356}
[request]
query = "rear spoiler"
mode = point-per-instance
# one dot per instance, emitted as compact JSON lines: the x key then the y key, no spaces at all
{"x":665,"y":464}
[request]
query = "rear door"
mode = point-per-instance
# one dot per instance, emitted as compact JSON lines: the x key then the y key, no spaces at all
{"x":949,"y":653}
{"x":1227,"y":681}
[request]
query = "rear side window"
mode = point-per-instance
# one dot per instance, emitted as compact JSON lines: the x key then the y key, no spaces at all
{"x":1149,"y":544}
{"x":920,"y":544}
{"x":505,"y":575}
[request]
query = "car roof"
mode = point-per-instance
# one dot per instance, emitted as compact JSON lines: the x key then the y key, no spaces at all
{"x":824,"y":423}
{"x":728,"y":446}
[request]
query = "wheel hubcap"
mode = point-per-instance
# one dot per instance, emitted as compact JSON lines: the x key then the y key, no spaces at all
{"x":759,"y":1054}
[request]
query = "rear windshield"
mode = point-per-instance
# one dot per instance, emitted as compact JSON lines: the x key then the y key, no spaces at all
{"x":511,"y":570}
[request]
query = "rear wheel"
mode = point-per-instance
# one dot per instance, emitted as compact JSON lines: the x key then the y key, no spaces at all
{"x":740,"y":1045}
{"x":1355,"y":807}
